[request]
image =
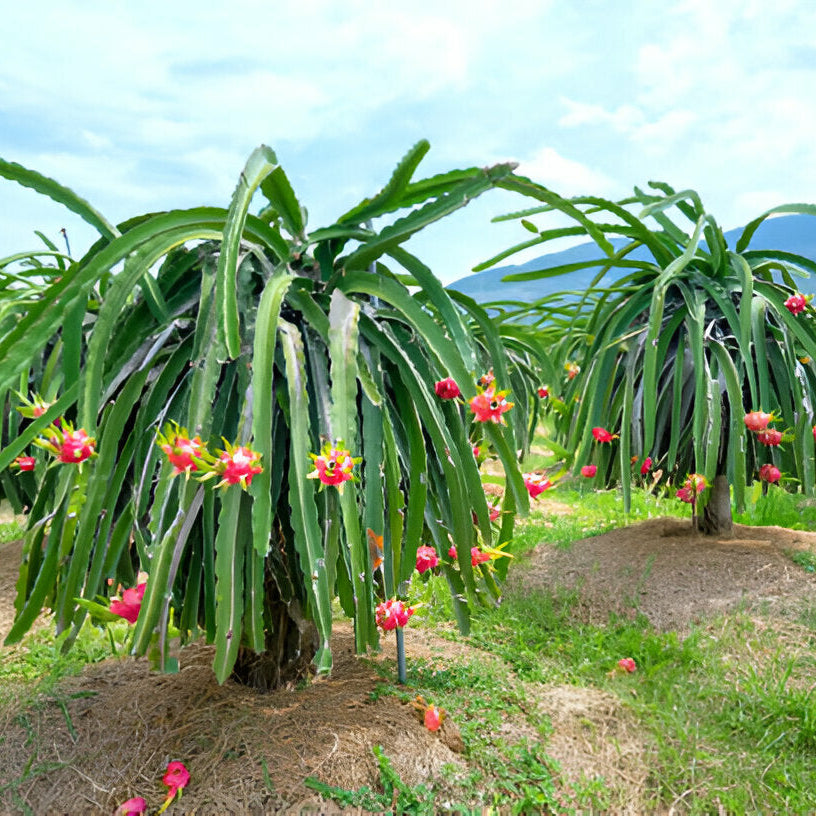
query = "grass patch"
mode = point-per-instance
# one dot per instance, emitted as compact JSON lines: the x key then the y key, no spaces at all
{"x":11,"y":530}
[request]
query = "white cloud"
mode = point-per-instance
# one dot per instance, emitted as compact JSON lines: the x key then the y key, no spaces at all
{"x":566,"y":176}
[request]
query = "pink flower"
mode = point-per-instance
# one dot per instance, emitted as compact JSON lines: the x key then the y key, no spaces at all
{"x":757,"y":420}
{"x":133,"y":807}
{"x":130,"y":605}
{"x":489,"y":405}
{"x":770,"y":437}
{"x":426,"y":559}
{"x":392,"y":614}
{"x":796,"y":304}
{"x":536,"y":484}
{"x":477,"y":452}
{"x":646,"y":466}
{"x":433,"y":717}
{"x":696,"y":482}
{"x":239,"y":465}
{"x":180,"y":449}
{"x":685,"y":495}
{"x":478,"y":557}
{"x":572,"y":369}
{"x":75,"y":447}
{"x":770,"y":474}
{"x":452,"y":552}
{"x":176,"y":777}
{"x":627,"y":664}
{"x":447,"y":389}
{"x":24,"y":462}
{"x":493,"y":510}
{"x":543,"y":392}
{"x":602,"y":435}
{"x":589,"y":471}
{"x":333,"y":466}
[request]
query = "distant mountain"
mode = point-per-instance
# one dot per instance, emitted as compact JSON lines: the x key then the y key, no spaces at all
{"x":789,"y":233}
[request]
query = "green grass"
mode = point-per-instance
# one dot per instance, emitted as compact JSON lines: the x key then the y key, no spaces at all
{"x":776,"y":506}
{"x":11,"y":530}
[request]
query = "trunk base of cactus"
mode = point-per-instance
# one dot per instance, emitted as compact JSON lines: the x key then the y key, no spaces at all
{"x":716,"y":519}
{"x":291,"y":644}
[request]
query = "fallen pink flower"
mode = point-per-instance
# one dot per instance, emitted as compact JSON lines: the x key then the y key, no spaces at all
{"x":433,"y":717}
{"x":627,"y":664}
{"x":133,"y":807}
{"x":176,"y":777}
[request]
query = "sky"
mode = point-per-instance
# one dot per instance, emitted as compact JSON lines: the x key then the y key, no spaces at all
{"x":148,"y":106}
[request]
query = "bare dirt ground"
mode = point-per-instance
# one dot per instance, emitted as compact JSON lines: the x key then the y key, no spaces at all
{"x":108,"y":733}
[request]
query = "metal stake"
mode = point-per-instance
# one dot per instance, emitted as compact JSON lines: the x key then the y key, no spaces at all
{"x":401,"y":656}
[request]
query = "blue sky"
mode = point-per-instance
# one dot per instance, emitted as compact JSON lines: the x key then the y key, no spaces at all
{"x":148,"y":106}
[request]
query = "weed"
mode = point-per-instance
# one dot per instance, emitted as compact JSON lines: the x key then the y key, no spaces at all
{"x":396,"y":796}
{"x":803,"y":558}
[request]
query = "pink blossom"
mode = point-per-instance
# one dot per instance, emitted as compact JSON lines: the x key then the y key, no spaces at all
{"x":333,"y":466}
{"x":489,"y":405}
{"x":24,"y":462}
{"x":602,"y":435}
{"x":685,"y":495}
{"x":589,"y":471}
{"x":426,"y":559}
{"x":239,"y":465}
{"x":447,"y":388}
{"x":180,"y":449}
{"x":478,"y":557}
{"x":627,"y":664}
{"x":646,"y":466}
{"x":75,"y":447}
{"x":536,"y":484}
{"x":130,"y":605}
{"x":392,"y":614}
{"x":796,"y":304}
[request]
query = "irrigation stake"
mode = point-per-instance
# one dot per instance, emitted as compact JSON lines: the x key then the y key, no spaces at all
{"x":401,"y":656}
